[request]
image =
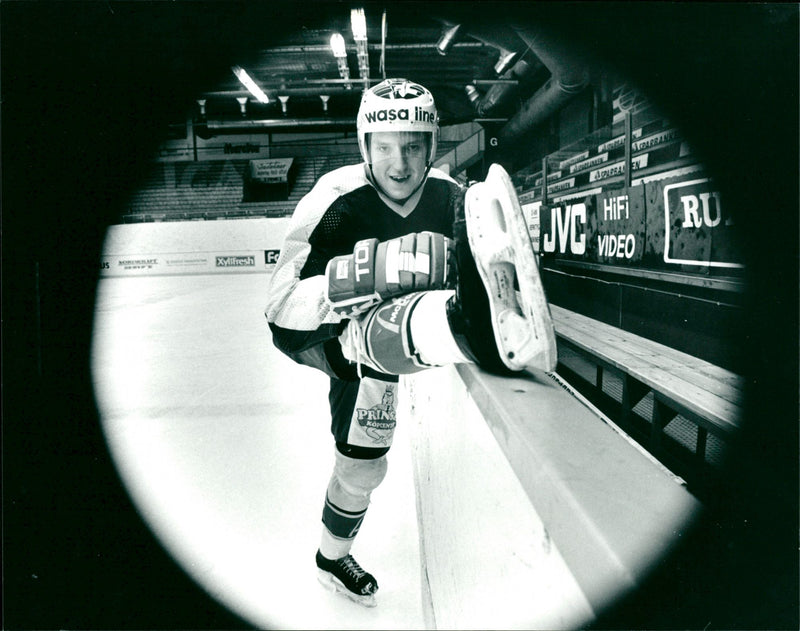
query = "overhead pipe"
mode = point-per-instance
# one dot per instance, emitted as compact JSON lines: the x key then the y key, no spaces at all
{"x":308,"y":91}
{"x":496,"y":36}
{"x":210,"y":128}
{"x":502,"y":90}
{"x":569,"y":76}
{"x":400,"y":46}
{"x":270,"y":123}
{"x":508,"y":42}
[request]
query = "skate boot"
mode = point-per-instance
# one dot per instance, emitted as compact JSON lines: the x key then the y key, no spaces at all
{"x":499,"y":288}
{"x":345,"y":576}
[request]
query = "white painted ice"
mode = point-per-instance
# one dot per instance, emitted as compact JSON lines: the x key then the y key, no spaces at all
{"x":225,"y":448}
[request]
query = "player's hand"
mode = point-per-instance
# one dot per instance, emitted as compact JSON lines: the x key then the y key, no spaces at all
{"x":377,"y":270}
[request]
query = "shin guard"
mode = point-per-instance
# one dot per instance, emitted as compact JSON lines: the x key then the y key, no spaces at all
{"x":381,"y":339}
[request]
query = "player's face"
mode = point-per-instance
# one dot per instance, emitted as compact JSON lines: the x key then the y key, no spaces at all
{"x":398,"y":161}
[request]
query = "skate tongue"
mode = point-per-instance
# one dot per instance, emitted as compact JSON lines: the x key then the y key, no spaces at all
{"x":352,"y":566}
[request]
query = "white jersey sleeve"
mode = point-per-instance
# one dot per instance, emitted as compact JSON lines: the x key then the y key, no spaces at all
{"x":296,"y":303}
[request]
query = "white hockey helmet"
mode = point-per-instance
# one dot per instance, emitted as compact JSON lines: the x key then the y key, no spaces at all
{"x":397,"y":105}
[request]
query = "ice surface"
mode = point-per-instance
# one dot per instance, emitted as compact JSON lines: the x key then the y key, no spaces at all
{"x":224,"y":445}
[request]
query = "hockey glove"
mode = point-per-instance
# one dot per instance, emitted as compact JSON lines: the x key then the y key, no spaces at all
{"x":377,"y":270}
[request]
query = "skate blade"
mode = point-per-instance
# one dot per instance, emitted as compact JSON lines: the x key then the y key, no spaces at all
{"x":333,"y":584}
{"x":500,"y":243}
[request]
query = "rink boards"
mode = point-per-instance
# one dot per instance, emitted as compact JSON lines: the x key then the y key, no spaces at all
{"x":192,"y":247}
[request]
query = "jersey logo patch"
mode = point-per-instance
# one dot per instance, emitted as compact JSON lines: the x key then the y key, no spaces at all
{"x":379,"y":421}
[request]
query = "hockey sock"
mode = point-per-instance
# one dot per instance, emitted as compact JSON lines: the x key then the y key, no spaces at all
{"x":341,"y":527}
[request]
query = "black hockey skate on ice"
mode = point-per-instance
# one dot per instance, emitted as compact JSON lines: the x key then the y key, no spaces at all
{"x":499,"y":308}
{"x":345,"y":576}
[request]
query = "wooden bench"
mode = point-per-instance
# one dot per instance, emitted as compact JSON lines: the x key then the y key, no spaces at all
{"x":709,"y":396}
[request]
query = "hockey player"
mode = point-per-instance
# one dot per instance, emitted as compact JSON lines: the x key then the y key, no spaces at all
{"x":390,"y":267}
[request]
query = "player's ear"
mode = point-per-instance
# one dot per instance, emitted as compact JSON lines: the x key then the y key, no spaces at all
{"x":428,"y":139}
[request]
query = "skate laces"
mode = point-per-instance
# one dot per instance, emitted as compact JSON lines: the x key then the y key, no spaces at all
{"x":352,"y":567}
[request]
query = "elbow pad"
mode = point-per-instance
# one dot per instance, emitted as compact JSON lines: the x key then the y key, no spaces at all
{"x":376,"y":271}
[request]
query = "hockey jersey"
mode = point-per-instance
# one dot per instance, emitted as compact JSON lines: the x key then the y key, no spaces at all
{"x":342,"y":208}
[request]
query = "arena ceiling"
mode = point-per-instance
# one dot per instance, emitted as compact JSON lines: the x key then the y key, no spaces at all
{"x":492,"y":69}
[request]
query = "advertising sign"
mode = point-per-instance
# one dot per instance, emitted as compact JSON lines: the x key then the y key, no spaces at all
{"x":231,"y":146}
{"x":607,"y":227}
{"x":271,"y":171}
{"x":618,"y":168}
{"x":531,"y":212}
{"x":564,"y":229}
{"x":678,"y":224}
{"x":697,"y":229}
{"x":184,"y":263}
{"x":271,"y":256}
{"x":193,"y":247}
{"x":620,"y":227}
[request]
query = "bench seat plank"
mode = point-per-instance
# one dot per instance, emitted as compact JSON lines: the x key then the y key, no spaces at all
{"x":729,"y":389}
{"x":710,"y":374}
{"x":660,"y":368}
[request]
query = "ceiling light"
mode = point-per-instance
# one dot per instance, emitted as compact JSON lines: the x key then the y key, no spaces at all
{"x":340,"y":52}
{"x":242,"y":104}
{"x":447,"y":38}
{"x":505,"y":61}
{"x":337,"y":46}
{"x":472,"y":94}
{"x":358,"y":24}
{"x":247,"y":82}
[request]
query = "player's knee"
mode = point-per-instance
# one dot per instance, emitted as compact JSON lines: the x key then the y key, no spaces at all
{"x":288,"y":341}
{"x":358,"y":476}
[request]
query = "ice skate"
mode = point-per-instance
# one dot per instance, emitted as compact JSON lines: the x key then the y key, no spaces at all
{"x":506,"y":263}
{"x":345,"y":576}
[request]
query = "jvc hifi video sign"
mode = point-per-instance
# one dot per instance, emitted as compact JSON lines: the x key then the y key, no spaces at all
{"x":605,"y":228}
{"x":669,"y":224}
